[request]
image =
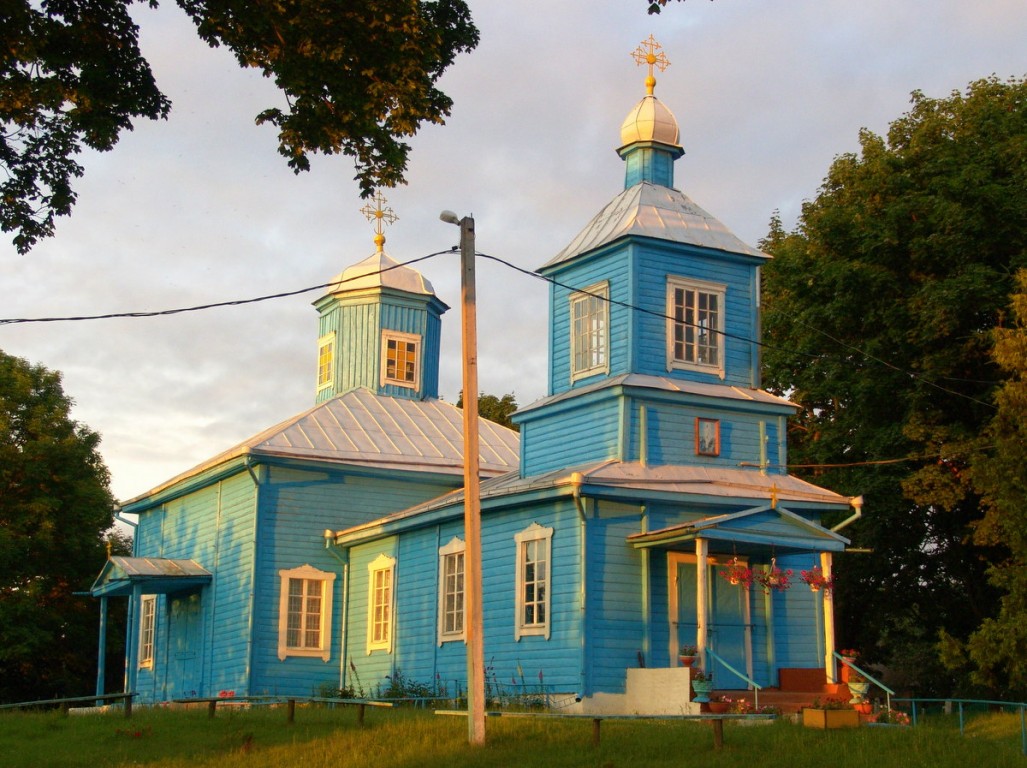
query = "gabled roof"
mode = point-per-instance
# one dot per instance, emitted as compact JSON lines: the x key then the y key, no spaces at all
{"x":650,"y":210}
{"x":757,"y":526}
{"x":153,"y":575}
{"x":366,"y":429}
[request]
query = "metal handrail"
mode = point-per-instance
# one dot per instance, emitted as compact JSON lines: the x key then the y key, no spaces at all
{"x":755,"y":686}
{"x":870,"y":678}
{"x":1021,"y":706}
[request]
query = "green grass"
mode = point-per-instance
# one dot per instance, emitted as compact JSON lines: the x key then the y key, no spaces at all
{"x":260,"y":738}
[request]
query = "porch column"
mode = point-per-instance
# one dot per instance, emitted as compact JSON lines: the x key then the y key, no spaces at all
{"x":101,"y":655}
{"x":701,"y":591}
{"x":829,"y":665}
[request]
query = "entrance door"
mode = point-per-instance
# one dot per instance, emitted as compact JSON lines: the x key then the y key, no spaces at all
{"x":184,"y":640}
{"x":728,"y":623}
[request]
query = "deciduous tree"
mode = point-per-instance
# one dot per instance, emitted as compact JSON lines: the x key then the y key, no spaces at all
{"x":997,"y":650}
{"x":55,"y":515}
{"x":358,"y":77}
{"x":879,"y":308}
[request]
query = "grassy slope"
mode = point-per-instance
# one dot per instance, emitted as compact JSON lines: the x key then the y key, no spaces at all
{"x":407,"y":739}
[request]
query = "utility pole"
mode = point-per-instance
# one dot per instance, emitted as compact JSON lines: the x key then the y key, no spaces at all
{"x":473,"y":622}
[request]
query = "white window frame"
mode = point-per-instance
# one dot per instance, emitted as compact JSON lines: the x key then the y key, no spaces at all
{"x":326,"y":370}
{"x":537,"y":540}
{"x":715,"y":331}
{"x":147,"y":630}
{"x":401,"y":338}
{"x":590,"y":331}
{"x":452,"y":590}
{"x":381,"y":603}
{"x":307,"y":574}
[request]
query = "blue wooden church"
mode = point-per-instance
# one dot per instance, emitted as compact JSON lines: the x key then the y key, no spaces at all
{"x":330,"y":547}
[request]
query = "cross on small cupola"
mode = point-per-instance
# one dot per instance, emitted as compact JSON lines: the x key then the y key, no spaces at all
{"x":650,"y":53}
{"x":381,"y":215}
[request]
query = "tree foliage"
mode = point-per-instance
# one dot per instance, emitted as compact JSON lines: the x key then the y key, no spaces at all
{"x":997,"y":650}
{"x":495,"y":409}
{"x":358,"y":77}
{"x":55,"y":507}
{"x":879,"y":311}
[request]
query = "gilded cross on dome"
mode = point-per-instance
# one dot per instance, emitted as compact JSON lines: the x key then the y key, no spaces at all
{"x":651,"y":53}
{"x":381,"y":215}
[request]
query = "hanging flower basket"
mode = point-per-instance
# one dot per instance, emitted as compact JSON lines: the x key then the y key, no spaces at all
{"x":738,"y":574}
{"x":817,"y":580}
{"x":774,"y":578}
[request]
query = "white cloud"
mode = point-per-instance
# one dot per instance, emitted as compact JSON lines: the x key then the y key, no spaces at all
{"x":201,"y":208}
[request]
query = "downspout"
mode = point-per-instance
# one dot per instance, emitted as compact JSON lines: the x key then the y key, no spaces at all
{"x":121,"y":519}
{"x":857,"y":504}
{"x":579,"y":504}
{"x":344,"y":623}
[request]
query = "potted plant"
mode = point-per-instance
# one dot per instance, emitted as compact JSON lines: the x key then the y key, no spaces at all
{"x":719,"y":705}
{"x":830,"y":713}
{"x":687,"y":654}
{"x":858,"y":687}
{"x":816,"y":579}
{"x":702,"y":684}
{"x":774,"y":578}
{"x":849,"y":655}
{"x":738,"y":574}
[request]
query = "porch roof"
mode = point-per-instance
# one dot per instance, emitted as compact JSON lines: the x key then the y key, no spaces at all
{"x":760,"y":526}
{"x":153,"y":575}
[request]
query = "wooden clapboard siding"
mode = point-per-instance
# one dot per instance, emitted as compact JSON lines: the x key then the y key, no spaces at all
{"x":582,"y":432}
{"x":581,"y":276}
{"x":616,"y":621}
{"x":657,"y":262}
{"x":358,"y":322}
{"x":371,"y":668}
{"x":297,"y":505}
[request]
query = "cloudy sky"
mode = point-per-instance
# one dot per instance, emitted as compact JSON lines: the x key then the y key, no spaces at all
{"x":200,"y":208}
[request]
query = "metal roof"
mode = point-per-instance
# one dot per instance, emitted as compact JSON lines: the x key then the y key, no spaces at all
{"x":651,"y":210}
{"x":379,"y":270}
{"x":153,"y":575}
{"x":614,"y":477}
{"x":666,"y":384}
{"x":363,"y":428}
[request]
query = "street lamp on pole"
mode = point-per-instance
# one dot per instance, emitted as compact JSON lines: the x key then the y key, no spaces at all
{"x":473,"y":623}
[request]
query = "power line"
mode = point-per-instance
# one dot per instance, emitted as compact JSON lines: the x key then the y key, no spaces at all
{"x":215,"y":305}
{"x":530,"y":273}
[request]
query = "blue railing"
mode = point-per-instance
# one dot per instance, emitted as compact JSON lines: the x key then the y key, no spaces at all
{"x":870,"y":678}
{"x":1022,"y":706}
{"x":756,"y":687}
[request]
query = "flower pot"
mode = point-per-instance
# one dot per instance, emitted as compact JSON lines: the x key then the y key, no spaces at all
{"x":686,"y":661}
{"x":858,"y":690}
{"x":702,"y":690}
{"x":719,"y":707}
{"x":830,"y":718}
{"x":863,"y":707}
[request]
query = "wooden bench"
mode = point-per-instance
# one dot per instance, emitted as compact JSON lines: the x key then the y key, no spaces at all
{"x":717,"y":721}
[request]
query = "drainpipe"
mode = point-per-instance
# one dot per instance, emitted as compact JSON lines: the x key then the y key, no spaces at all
{"x":576,"y":481}
{"x":857,"y":504}
{"x":121,"y":519}
{"x":343,"y":624}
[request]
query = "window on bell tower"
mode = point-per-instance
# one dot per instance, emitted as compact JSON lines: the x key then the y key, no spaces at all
{"x":590,"y":331}
{"x":325,"y":361}
{"x":695,"y":325}
{"x":400,"y":352}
